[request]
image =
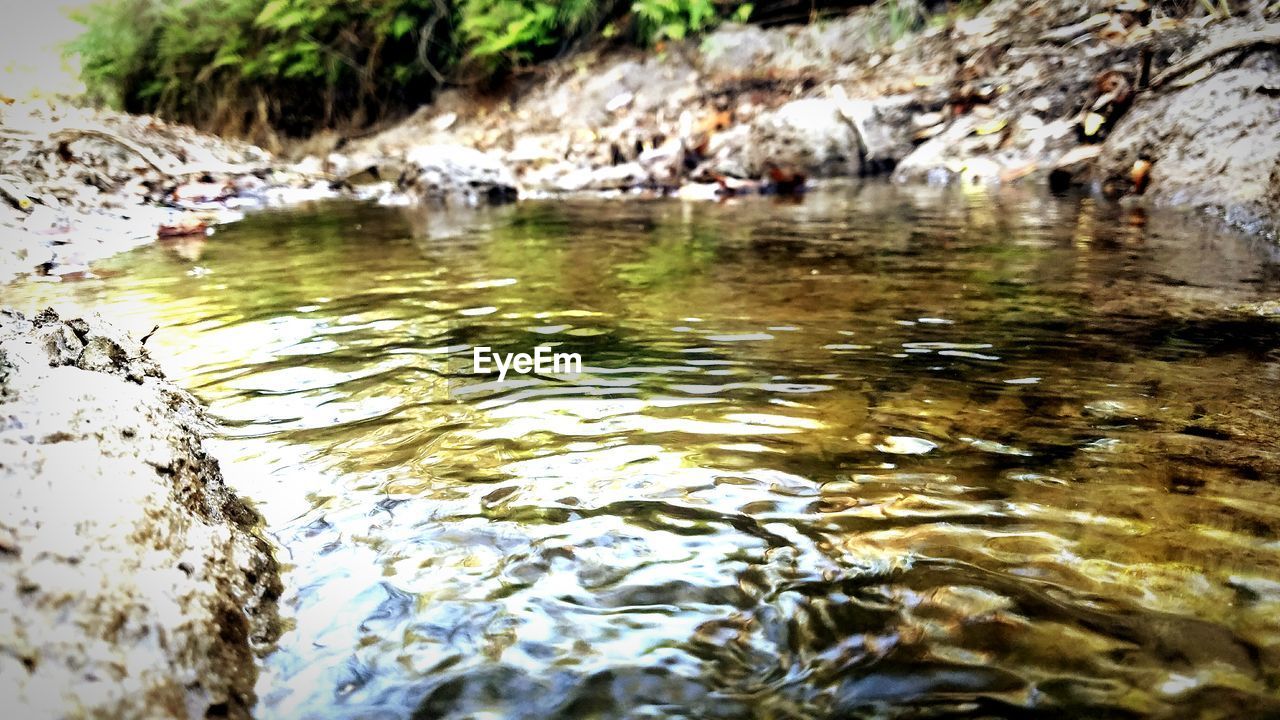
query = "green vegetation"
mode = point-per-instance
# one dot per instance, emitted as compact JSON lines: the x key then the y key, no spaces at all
{"x":674,"y":19}
{"x":249,"y":67}
{"x":244,"y":66}
{"x":505,"y":33}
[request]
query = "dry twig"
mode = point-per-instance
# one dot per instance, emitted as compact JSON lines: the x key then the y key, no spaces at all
{"x":147,"y":155}
{"x":1267,"y":35}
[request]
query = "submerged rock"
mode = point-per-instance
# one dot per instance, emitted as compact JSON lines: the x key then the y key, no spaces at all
{"x":132,"y":582}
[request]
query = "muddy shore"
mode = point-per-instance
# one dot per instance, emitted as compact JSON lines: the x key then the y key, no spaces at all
{"x":79,"y":185}
{"x":133,"y":584}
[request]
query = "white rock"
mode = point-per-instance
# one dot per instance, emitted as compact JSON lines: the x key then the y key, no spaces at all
{"x":810,"y":135}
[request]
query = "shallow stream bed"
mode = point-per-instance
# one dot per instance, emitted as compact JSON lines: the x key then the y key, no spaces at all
{"x":878,"y":453}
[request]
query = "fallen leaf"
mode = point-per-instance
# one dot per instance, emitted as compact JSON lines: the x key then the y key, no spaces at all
{"x":716,"y":122}
{"x":183,"y":226}
{"x":1092,"y":124}
{"x":1139,"y":174}
{"x":1193,"y":77}
{"x":1140,"y":35}
{"x":1115,"y":31}
{"x":928,"y":120}
{"x":619,"y":101}
{"x":1078,"y":154}
{"x":1017,"y":173}
{"x":929,"y":132}
{"x":990,"y":128}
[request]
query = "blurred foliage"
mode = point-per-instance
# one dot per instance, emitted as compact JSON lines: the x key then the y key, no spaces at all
{"x":499,"y":33}
{"x":673,"y":19}
{"x":240,"y":66}
{"x":249,"y":67}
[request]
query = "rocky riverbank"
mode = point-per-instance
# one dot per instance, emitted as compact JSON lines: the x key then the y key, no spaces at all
{"x":78,"y":185}
{"x":133,"y":584}
{"x":1147,"y":102}
{"x":1143,"y":102}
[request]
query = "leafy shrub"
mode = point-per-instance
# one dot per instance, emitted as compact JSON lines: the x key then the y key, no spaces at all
{"x":112,"y":49}
{"x":511,"y":32}
{"x":240,"y":66}
{"x":672,"y":19}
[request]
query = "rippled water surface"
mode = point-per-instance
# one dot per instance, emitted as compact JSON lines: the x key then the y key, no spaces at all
{"x":874,"y":454}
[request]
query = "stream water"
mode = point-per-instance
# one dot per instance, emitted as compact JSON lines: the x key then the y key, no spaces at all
{"x":877,"y":453}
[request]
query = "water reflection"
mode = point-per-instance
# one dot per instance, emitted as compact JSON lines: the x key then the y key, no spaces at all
{"x":883,"y":453}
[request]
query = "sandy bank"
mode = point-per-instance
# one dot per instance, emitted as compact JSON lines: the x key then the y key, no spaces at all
{"x":132,"y":582}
